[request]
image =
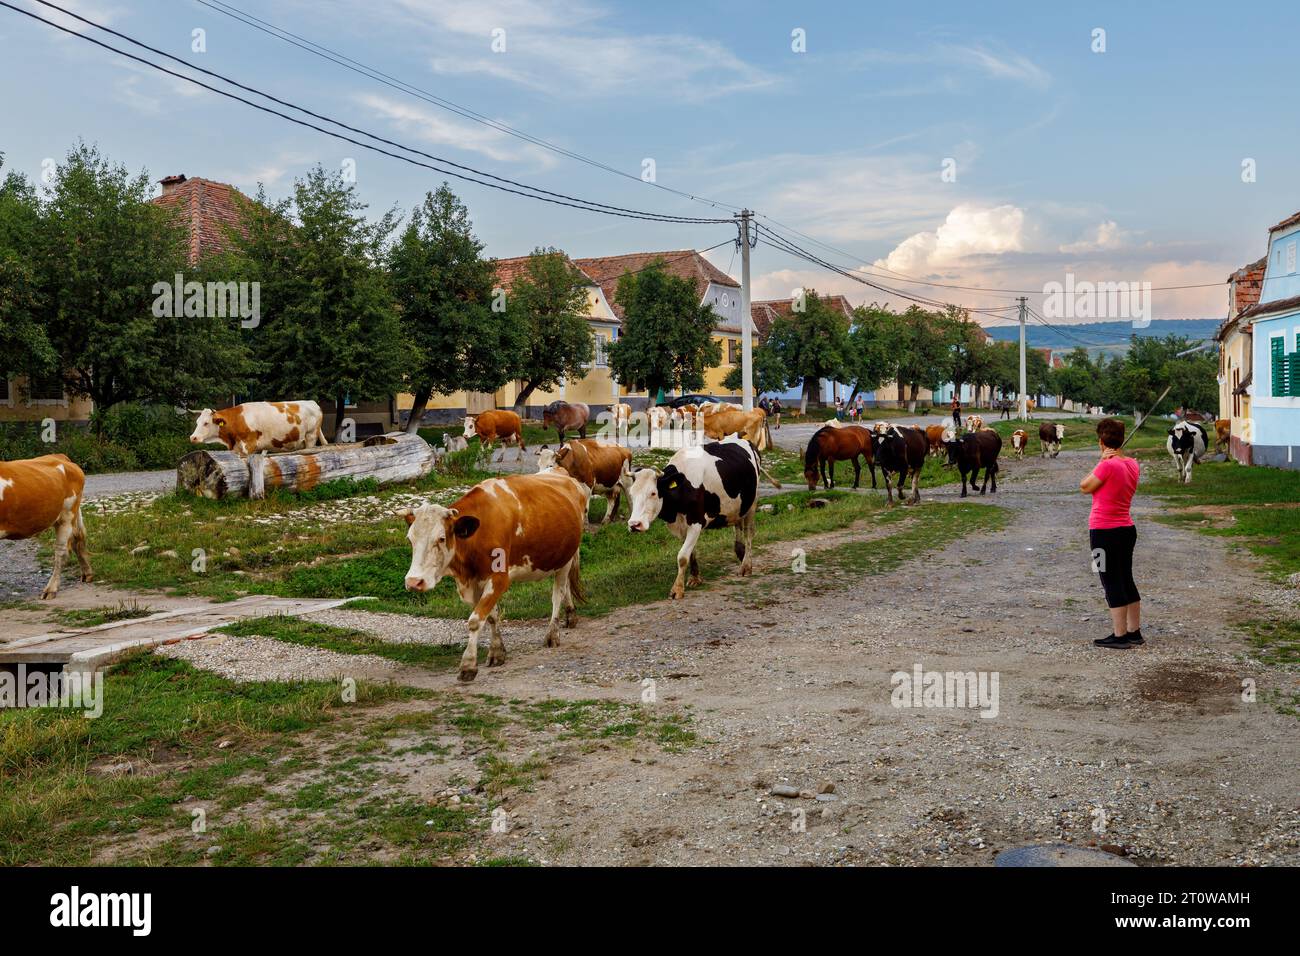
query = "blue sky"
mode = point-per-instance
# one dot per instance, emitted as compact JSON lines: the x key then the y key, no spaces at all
{"x":1121,"y":165}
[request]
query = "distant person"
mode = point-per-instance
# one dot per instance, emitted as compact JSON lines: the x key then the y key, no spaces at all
{"x":839,"y":409}
{"x":1005,"y":405}
{"x":956,"y":414}
{"x":765,"y":405}
{"x":1112,"y":535}
{"x":774,"y":411}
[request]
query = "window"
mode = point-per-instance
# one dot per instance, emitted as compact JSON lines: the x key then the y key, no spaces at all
{"x":733,"y":352}
{"x":45,"y":389}
{"x":6,"y":392}
{"x":602,"y":349}
{"x":1285,"y":368}
{"x":1290,"y":257}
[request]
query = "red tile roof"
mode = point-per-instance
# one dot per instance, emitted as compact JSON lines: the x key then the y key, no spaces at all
{"x":1246,"y":285}
{"x":605,"y":271}
{"x":509,"y":270}
{"x":207,"y":208}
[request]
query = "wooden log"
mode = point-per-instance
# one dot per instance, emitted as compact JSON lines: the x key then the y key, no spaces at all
{"x":388,"y":459}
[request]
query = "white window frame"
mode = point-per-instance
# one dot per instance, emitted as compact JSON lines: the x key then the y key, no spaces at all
{"x":1290,"y":258}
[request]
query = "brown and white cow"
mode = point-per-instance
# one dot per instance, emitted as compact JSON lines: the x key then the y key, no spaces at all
{"x":596,"y":464}
{"x":1050,"y":436}
{"x":1222,"y":434}
{"x":974,"y":423}
{"x":935,"y":436}
{"x":1019,"y":442}
{"x":261,"y":426}
{"x":514,"y":528}
{"x":494,"y":424}
{"x":36,"y":493}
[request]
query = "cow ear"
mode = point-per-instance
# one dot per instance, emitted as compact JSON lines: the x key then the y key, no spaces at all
{"x":218,"y":420}
{"x":409,"y":515}
{"x":465,"y":526}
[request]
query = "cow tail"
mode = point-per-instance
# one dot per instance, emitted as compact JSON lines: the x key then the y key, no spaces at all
{"x":320,"y":435}
{"x":575,"y":580}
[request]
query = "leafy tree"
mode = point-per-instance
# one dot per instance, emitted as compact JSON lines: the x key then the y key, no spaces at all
{"x":101,"y":250}
{"x":444,"y":290}
{"x":548,"y":304}
{"x":24,"y":346}
{"x":969,"y":359}
{"x":869,"y":359}
{"x":667,"y":340}
{"x":329,"y":323}
{"x":921,"y":352}
{"x":770,"y":373}
{"x":1078,"y":380}
{"x":813,"y":344}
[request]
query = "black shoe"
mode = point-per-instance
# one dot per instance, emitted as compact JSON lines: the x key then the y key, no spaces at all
{"x":1113,"y":641}
{"x":1135,"y":637}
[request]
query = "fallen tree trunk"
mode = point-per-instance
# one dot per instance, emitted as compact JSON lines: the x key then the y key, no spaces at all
{"x":387,"y":459}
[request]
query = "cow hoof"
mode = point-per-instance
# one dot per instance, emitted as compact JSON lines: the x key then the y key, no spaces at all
{"x":694,"y":581}
{"x":495,"y":659}
{"x":552,"y":640}
{"x":677,"y":593}
{"x":47,"y":594}
{"x":746,"y":570}
{"x":87,"y":577}
{"x":465,"y":676}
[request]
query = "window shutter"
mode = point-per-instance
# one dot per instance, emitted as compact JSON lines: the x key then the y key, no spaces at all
{"x":1281,"y":385}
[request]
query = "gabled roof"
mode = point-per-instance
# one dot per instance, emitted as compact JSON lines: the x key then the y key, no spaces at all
{"x":1287,"y":223}
{"x":762,"y":315}
{"x":1246,"y":284}
{"x":1271,"y":308}
{"x":510,"y":270}
{"x":207,"y":208}
{"x":685,"y":264}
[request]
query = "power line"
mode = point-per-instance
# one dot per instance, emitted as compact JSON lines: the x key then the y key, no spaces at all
{"x":534,"y":192}
{"x":356,"y":66}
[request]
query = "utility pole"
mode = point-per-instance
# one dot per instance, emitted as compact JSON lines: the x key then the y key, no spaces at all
{"x":746,"y":319}
{"x":1024,"y":399}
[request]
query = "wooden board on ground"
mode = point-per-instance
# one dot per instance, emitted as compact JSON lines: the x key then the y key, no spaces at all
{"x":92,"y":647}
{"x":387,"y":459}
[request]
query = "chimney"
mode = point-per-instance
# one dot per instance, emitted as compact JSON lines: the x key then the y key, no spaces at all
{"x":170,"y":183}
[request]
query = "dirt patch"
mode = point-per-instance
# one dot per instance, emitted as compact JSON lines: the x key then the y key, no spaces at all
{"x":1208,"y":690}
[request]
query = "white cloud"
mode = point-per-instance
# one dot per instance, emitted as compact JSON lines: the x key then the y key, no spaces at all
{"x":979,"y":59}
{"x":436,"y":128}
{"x":1107,"y":235}
{"x":567,"y":50}
{"x":968,"y":230}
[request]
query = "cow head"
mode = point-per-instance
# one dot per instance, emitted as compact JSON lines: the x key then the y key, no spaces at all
{"x":433,"y":531}
{"x":642,"y":488}
{"x":469,"y":426}
{"x":954,"y":452}
{"x":207,"y":428}
{"x":546,"y":460}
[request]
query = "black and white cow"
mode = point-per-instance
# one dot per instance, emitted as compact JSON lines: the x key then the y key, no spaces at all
{"x":899,"y":451}
{"x":1187,"y":443}
{"x":714,"y":485}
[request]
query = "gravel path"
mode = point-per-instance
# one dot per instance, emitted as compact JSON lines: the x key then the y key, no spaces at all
{"x":266,"y":659}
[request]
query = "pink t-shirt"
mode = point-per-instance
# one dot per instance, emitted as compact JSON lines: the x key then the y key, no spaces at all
{"x":1110,"y":502}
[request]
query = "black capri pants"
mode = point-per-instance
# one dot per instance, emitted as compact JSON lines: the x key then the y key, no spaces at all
{"x":1112,"y":558}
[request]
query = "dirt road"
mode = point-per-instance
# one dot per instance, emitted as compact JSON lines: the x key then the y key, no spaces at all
{"x":1151,"y":749}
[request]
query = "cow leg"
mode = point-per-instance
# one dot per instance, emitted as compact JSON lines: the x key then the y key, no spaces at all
{"x":963,"y":484}
{"x":570,"y":606}
{"x":62,"y":534}
{"x":684,"y":557}
{"x":485,"y":602}
{"x":916,"y":488}
{"x":694,"y":581}
{"x":872,"y":465}
{"x":830,"y":472}
{"x":497,"y":650}
{"x":79,"y":546}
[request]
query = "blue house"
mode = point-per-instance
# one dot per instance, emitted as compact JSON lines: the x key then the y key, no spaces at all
{"x":1275,"y":320}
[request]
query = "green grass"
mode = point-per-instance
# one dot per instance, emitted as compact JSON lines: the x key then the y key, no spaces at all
{"x":52,"y":806}
{"x":1275,"y":642}
{"x":94,"y":617}
{"x":1260,"y":509}
{"x":1082,"y":433}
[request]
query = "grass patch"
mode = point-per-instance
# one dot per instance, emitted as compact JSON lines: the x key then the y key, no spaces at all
{"x":94,"y":617}
{"x":1274,"y":642}
{"x":1254,"y":505}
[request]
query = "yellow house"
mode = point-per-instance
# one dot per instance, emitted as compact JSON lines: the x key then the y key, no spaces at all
{"x":1235,"y":340}
{"x":24,"y":400}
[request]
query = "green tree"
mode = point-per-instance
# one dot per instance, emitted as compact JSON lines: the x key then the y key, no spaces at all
{"x":869,"y":359}
{"x":330,"y":326}
{"x":770,"y":373}
{"x":667,"y":339}
{"x":813,"y":343}
{"x":549,"y":303}
{"x":444,"y":290}
{"x":24,"y":347}
{"x":969,"y":360}
{"x":921,"y":352}
{"x":102,"y":249}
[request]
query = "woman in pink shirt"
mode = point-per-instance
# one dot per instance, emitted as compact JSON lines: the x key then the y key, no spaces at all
{"x":1112,"y":535}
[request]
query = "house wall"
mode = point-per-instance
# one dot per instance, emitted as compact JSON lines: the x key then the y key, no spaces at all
{"x":1235,"y":362}
{"x":17,"y":406}
{"x":1275,"y":435}
{"x":1282,"y":274}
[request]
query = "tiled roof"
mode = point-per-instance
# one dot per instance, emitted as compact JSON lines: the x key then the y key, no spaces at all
{"x":1271,"y":308}
{"x":605,"y":271}
{"x":509,"y":270}
{"x":1246,"y":285}
{"x":207,"y":208}
{"x":1287,"y":223}
{"x":762,"y":315}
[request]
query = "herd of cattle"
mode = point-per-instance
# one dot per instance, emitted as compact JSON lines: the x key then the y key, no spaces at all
{"x":530,"y":526}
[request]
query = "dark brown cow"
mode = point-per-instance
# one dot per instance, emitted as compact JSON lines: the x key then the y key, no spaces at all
{"x":973,"y":451}
{"x":566,"y":416}
{"x":36,"y":493}
{"x":516,"y":528}
{"x":829,"y":445}
{"x":1050,"y":436}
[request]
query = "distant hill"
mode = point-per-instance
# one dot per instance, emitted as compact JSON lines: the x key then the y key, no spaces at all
{"x":1108,"y":337}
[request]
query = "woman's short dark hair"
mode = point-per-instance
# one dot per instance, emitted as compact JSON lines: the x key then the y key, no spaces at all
{"x":1111,"y":432}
